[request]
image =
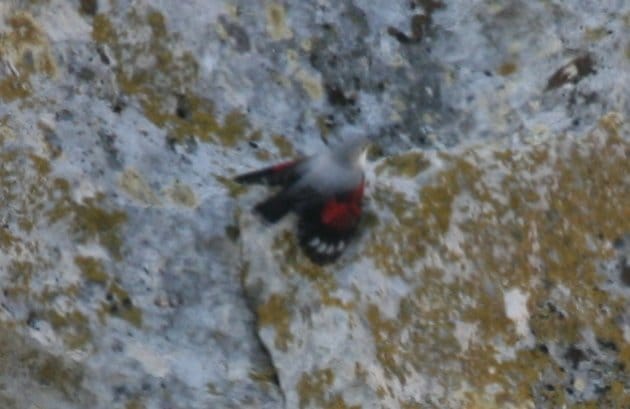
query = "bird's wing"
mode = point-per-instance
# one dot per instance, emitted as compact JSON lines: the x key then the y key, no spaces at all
{"x":327,"y":225}
{"x":275,"y":207}
{"x":281,"y":174}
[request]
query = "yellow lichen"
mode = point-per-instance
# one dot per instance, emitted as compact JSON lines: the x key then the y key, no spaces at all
{"x":182,"y":194}
{"x":92,"y":269}
{"x":407,"y":164}
{"x":276,"y":22}
{"x":135,"y":403}
{"x":119,"y":304}
{"x":88,"y":221}
{"x":234,"y":189}
{"x":507,"y":68}
{"x":535,"y":219}
{"x":73,"y":327}
{"x":26,"y":50}
{"x":275,"y":312}
{"x":183,"y":112}
{"x":135,"y":186}
{"x":64,"y":377}
{"x":310,"y":83}
{"x":284,"y":146}
{"x":595,"y":34}
{"x":314,"y":388}
{"x":103,"y":31}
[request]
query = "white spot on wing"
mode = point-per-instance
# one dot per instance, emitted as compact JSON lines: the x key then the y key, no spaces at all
{"x":314,"y":242}
{"x":341,"y":245}
{"x":330,"y":249}
{"x":321,"y":248}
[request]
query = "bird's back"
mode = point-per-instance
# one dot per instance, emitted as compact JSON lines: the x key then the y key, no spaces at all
{"x":329,"y":176}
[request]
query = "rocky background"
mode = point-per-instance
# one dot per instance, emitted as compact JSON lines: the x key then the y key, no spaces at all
{"x":493,"y":268}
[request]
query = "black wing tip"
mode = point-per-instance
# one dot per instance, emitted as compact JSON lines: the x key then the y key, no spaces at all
{"x":320,"y":259}
{"x":328,"y":254}
{"x":322,"y":244}
{"x":323,"y":248}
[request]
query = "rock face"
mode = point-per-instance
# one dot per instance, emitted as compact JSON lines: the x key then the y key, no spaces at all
{"x":493,"y":267}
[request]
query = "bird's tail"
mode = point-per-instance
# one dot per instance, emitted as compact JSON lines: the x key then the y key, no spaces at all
{"x":274,"y":208}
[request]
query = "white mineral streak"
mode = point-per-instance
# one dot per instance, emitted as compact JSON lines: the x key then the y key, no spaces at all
{"x":515,"y":301}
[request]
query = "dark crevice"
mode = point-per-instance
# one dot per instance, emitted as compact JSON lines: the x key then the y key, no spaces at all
{"x":251,"y":301}
{"x":572,"y":72}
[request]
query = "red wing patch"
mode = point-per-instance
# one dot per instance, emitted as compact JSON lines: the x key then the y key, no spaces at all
{"x":325,"y":230}
{"x":343,"y":213}
{"x":282,"y":166}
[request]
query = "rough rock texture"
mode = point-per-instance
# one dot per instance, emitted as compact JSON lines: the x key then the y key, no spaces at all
{"x":493,"y":268}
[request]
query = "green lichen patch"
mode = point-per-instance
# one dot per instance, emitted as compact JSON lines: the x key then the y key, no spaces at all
{"x":27,"y":194}
{"x":386,"y":352}
{"x":42,"y":209}
{"x":88,"y":221}
{"x":118,"y":304}
{"x":26,"y":49}
{"x":284,"y":243}
{"x":20,"y":274}
{"x":56,"y":373}
{"x":163,"y":79}
{"x":507,"y":68}
{"x":407,"y":164}
{"x":275,"y":312}
{"x":277,"y":27}
{"x":314,"y":391}
{"x":326,"y":285}
{"x":182,"y":194}
{"x":313,"y":386}
{"x":234,"y":189}
{"x":23,"y":363}
{"x":263,"y":155}
{"x":284,"y":146}
{"x":200,"y":120}
{"x":539,"y":220}
{"x":138,"y":188}
{"x":92,"y":270}
{"x":103,"y":31}
{"x":73,"y":327}
{"x":135,"y":403}
{"x":594,"y":34}
{"x":417,"y":224}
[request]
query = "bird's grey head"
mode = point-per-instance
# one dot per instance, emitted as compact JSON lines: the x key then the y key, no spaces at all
{"x":353,"y":151}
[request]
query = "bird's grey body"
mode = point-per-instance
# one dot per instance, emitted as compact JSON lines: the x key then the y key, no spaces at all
{"x":335,"y":171}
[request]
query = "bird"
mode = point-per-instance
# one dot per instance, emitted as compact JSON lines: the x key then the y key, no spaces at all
{"x":325,"y":191}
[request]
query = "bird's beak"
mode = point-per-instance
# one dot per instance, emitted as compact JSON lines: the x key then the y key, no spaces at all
{"x":364,"y":154}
